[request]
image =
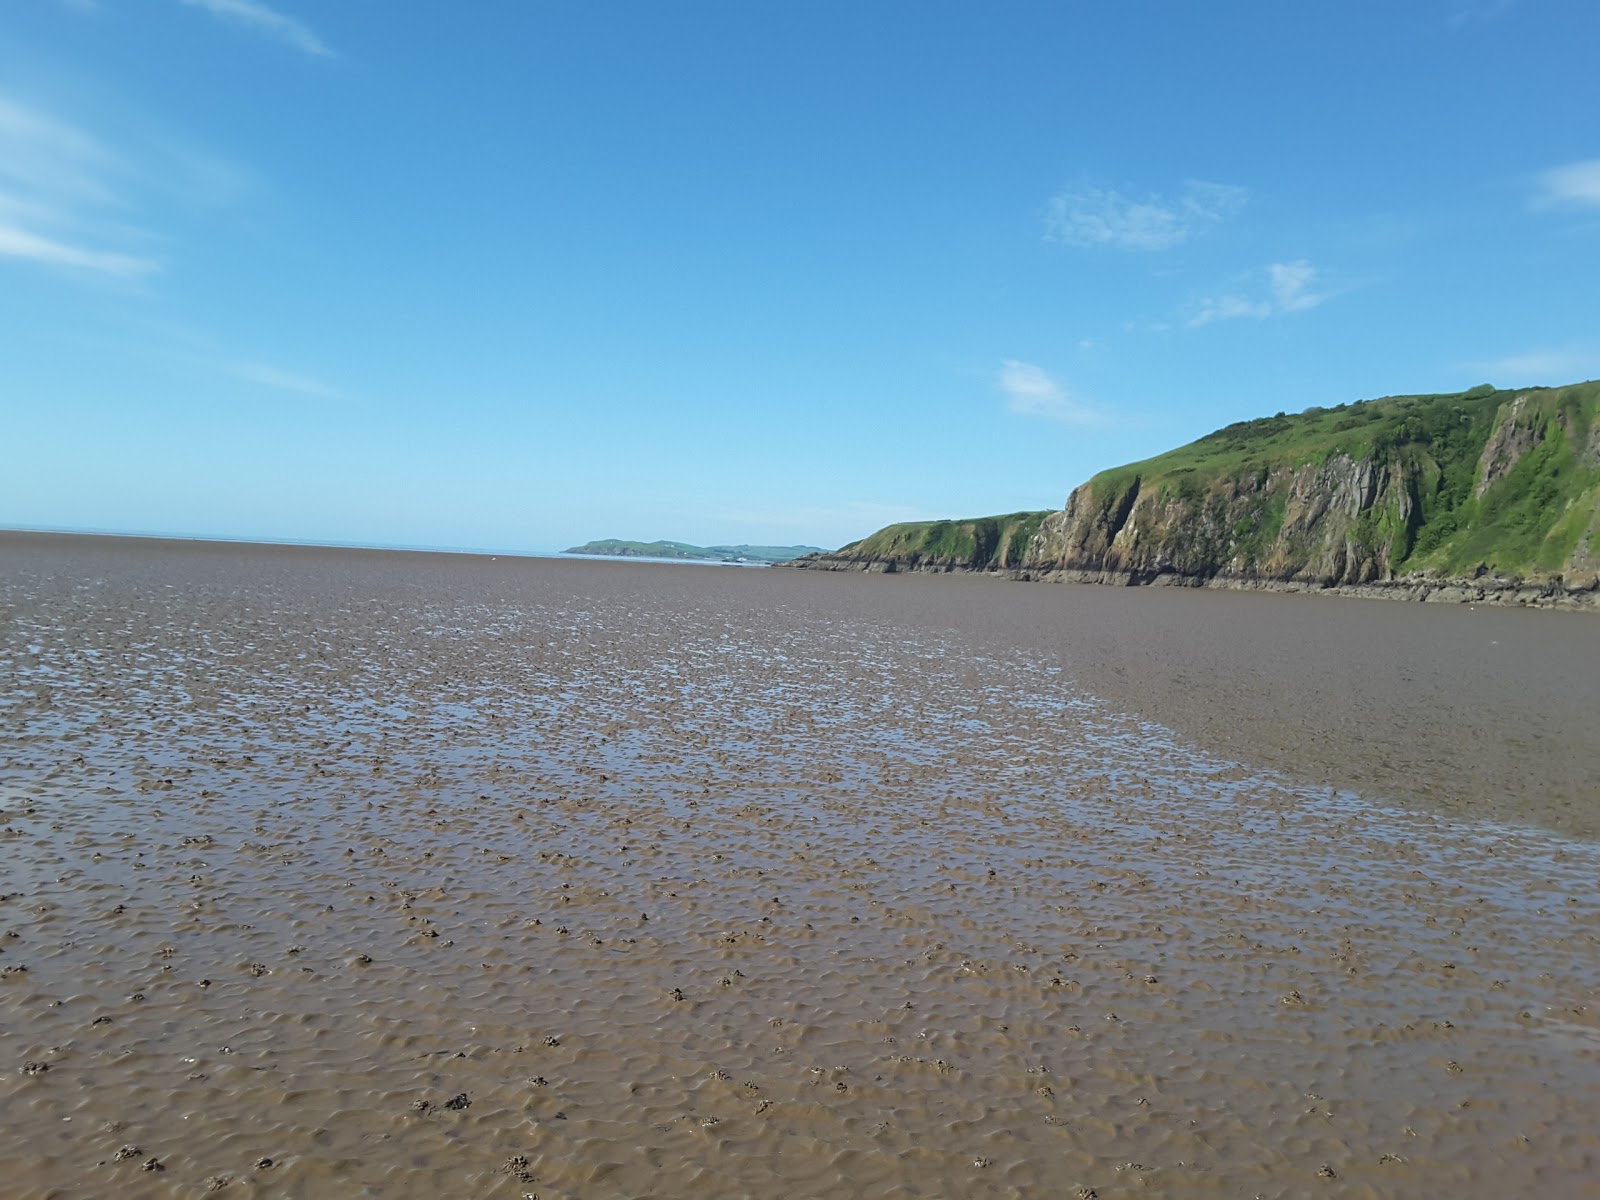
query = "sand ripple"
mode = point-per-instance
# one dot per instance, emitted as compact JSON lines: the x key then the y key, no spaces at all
{"x":386,"y":875}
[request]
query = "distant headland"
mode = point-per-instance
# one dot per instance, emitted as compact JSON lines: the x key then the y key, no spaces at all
{"x":617,"y":548}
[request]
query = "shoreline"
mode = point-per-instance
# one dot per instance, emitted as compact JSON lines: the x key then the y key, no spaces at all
{"x":1501,"y":591}
{"x":1461,"y":708}
{"x":16,"y":535}
{"x":340,"y":871}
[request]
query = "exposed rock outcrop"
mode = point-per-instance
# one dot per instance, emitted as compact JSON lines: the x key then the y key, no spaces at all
{"x":1517,"y":430}
{"x":1482,"y":496}
{"x":1310,"y":524}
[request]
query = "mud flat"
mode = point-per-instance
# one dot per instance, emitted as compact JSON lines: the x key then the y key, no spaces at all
{"x":366,"y":874}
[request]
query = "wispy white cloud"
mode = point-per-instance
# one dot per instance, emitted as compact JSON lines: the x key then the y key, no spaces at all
{"x":1541,"y":366}
{"x":1091,"y":216}
{"x":1479,"y":12}
{"x":285,"y":381}
{"x":1290,"y":287}
{"x":19,"y":243}
{"x":68,"y":200}
{"x":44,"y":156}
{"x":1574,"y":185}
{"x":268,"y":21}
{"x":1228,"y":308}
{"x":56,"y":188}
{"x":1291,"y":284}
{"x":1031,"y":392}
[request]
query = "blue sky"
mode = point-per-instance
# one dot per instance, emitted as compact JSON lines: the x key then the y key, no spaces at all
{"x":516,"y":275}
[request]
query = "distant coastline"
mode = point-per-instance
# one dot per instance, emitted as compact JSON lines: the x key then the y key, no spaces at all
{"x":688,"y":552}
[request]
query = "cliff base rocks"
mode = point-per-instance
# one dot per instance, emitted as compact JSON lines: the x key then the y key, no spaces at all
{"x":1485,"y":496}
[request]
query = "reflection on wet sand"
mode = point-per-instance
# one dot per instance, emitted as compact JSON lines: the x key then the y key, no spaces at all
{"x":403,"y":875}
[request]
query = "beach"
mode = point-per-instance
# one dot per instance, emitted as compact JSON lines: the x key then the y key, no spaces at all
{"x":388,"y":874}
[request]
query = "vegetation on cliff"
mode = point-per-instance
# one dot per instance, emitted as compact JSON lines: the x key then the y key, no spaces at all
{"x":1507,"y":481}
{"x":978,"y":543}
{"x":1450,"y":485}
{"x":616,"y":547}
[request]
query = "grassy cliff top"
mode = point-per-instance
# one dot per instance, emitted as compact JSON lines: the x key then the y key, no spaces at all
{"x":1466,"y":509}
{"x":1455,"y":423}
{"x":1509,"y":479}
{"x":977,"y":542}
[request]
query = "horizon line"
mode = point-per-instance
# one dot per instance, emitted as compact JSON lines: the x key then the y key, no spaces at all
{"x":329,"y":544}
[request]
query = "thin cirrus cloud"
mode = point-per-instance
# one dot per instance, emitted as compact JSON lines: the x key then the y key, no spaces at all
{"x":1030,"y":391}
{"x":1479,"y":13}
{"x":1543,"y":365}
{"x":1575,"y":185}
{"x":284,"y":381}
{"x":56,"y":190}
{"x":44,"y":156}
{"x":1095,"y":217}
{"x":1291,"y":287}
{"x":262,"y":19}
{"x":20,"y":243}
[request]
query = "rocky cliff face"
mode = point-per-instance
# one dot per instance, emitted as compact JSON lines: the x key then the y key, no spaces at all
{"x":1478,"y":495}
{"x":1313,"y":523}
{"x":1517,"y":430}
{"x":1476,"y":488}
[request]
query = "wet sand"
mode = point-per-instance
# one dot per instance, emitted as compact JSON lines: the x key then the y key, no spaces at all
{"x":375,"y":874}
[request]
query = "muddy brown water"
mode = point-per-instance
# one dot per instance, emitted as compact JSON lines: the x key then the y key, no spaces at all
{"x":337,"y":873}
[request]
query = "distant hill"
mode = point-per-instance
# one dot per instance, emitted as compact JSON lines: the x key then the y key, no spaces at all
{"x":624,"y":549}
{"x":1484,"y":494}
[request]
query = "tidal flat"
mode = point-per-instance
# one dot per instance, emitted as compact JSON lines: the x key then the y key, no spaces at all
{"x":381,"y":874}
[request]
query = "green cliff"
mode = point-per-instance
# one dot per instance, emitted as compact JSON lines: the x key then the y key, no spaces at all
{"x":1496,"y":489}
{"x":979,"y":543}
